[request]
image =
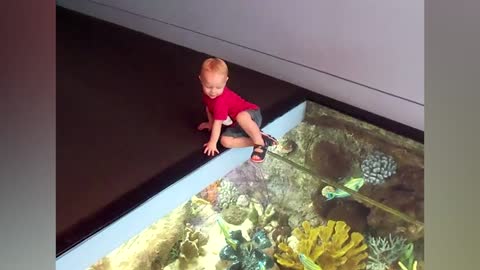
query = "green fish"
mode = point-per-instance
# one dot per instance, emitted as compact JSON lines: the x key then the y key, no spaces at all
{"x":332,"y":193}
{"x":408,"y":258}
{"x":414,"y":267}
{"x":225,"y":231}
{"x":308,"y":264}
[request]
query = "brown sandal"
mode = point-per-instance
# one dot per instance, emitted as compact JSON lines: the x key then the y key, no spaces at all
{"x":258,"y":156}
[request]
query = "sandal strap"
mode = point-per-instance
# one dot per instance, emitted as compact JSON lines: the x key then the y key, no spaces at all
{"x":259,"y":155}
{"x":269,"y":139}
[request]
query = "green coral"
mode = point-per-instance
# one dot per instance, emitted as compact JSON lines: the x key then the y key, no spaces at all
{"x":385,"y":251}
{"x":326,"y":245}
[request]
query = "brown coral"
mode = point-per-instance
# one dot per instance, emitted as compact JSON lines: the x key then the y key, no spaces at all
{"x":327,"y":245}
{"x":331,"y":160}
{"x":210,"y":193}
{"x":191,"y":246}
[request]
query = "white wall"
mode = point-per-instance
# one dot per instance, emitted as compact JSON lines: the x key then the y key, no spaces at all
{"x":373,"y":43}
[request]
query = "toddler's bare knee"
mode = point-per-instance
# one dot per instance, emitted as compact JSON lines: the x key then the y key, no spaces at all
{"x":226,"y":141}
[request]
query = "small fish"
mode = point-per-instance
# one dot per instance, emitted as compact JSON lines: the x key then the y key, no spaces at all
{"x":354,"y":184}
{"x":414,"y":267}
{"x":225,"y":231}
{"x":308,"y":263}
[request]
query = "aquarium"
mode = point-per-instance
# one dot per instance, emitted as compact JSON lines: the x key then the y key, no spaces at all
{"x":336,"y":193}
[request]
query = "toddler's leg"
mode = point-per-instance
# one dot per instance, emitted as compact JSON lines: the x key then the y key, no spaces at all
{"x":235,"y":142}
{"x":246,"y":122}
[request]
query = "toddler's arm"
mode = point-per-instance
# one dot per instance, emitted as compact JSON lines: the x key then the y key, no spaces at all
{"x":208,"y":124}
{"x":211,"y":145}
{"x":216,"y":128}
{"x":209,"y":116}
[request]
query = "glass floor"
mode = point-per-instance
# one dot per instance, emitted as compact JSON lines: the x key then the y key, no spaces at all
{"x":336,"y":193}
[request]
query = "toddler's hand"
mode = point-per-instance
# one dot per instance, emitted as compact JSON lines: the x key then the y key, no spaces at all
{"x":204,"y":125}
{"x":210,"y":149}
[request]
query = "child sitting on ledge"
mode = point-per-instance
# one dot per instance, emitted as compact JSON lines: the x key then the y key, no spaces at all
{"x":223,"y":106}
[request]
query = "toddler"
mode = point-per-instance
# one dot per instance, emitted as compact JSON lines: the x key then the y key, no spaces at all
{"x":225,"y":107}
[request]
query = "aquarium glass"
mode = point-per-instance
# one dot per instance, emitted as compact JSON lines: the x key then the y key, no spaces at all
{"x":336,"y":193}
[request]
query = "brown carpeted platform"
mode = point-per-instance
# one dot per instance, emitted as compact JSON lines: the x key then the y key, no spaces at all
{"x":127,"y":109}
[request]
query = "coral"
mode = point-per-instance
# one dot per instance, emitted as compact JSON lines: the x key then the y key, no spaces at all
{"x":377,"y":167}
{"x":243,"y":201}
{"x":210,"y":193}
{"x":267,"y":216}
{"x":404,"y":192}
{"x":247,"y":255}
{"x":234,"y":215}
{"x":227,"y":194}
{"x":352,"y":212}
{"x":253,"y":215}
{"x":150,"y":249}
{"x":331,"y":160}
{"x":327,"y":246}
{"x":385,"y":251}
{"x":103,"y":264}
{"x":197,"y":205}
{"x":281,"y":233}
{"x":192,"y":244}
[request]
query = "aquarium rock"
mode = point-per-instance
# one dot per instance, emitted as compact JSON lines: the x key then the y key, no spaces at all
{"x":243,"y":201}
{"x":227,"y":194}
{"x":377,"y":167}
{"x":235,"y":215}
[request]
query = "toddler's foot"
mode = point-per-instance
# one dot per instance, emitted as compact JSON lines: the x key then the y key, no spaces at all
{"x":258,"y":154}
{"x":269,"y":139}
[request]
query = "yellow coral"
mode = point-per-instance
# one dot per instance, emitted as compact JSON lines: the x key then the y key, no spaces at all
{"x":328,"y":246}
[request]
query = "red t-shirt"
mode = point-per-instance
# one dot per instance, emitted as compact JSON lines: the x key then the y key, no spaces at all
{"x":227,"y":104}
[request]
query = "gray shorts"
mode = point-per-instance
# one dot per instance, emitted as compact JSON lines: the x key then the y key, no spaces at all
{"x":236,"y":131}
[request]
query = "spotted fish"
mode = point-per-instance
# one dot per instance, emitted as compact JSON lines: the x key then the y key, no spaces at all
{"x":331,"y":193}
{"x":308,"y":264}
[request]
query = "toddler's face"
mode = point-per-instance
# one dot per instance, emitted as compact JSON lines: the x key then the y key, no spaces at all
{"x":213,"y":83}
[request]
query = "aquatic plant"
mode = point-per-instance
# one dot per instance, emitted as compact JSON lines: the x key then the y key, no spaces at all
{"x":245,"y":255}
{"x":385,"y":251}
{"x":227,"y":194}
{"x":192,"y":244}
{"x":326,"y":245}
{"x":377,"y":167}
